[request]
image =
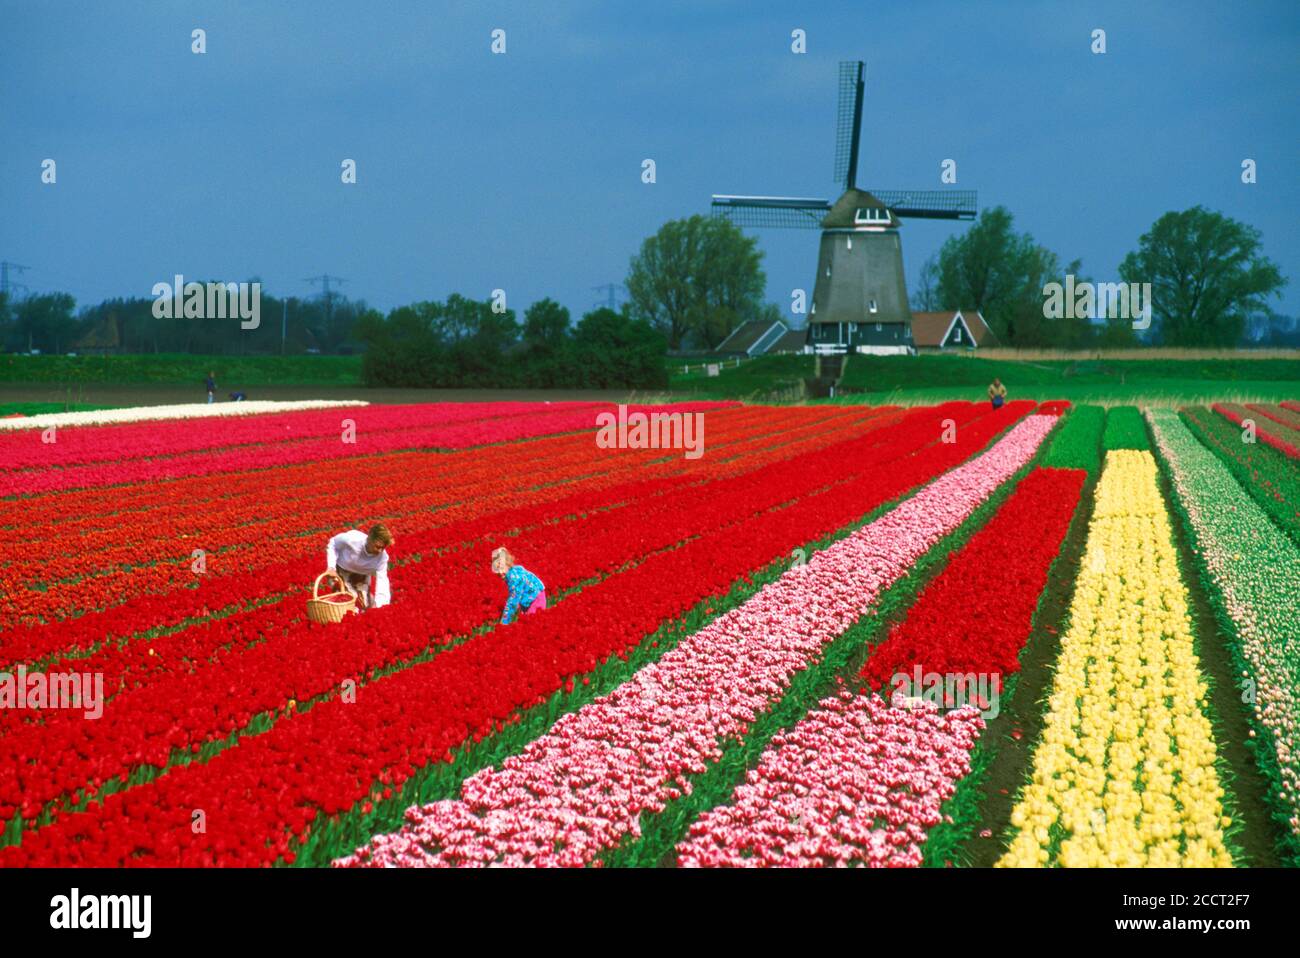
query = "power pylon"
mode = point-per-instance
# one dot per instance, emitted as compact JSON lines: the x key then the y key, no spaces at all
{"x":5,"y":267}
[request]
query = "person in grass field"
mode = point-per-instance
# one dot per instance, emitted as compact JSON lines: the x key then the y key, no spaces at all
{"x":357,"y":558}
{"x":997,"y":393}
{"x":526,"y":590}
{"x":212,"y":387}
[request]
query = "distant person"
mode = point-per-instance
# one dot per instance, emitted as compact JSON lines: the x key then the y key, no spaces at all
{"x":212,"y":386}
{"x":526,"y":590}
{"x":997,"y":393}
{"x":237,"y":397}
{"x":357,"y":558}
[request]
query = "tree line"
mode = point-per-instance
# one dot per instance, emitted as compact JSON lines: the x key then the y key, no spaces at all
{"x":51,"y":323}
{"x":689,"y":285}
{"x":471,"y":343}
{"x":1210,"y":285}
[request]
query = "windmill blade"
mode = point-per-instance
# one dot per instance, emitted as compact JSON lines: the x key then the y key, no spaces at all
{"x":786,"y":212}
{"x":848,"y":123}
{"x":929,"y":204}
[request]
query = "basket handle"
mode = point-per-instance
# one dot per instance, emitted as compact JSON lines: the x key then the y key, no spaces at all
{"x":315,"y":589}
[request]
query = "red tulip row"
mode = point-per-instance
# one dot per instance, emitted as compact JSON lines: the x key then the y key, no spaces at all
{"x":271,"y":454}
{"x":140,"y":559}
{"x":671,"y":508}
{"x":88,"y":510}
{"x":975,"y":616}
{"x":1280,"y":414}
{"x":1273,"y":433}
{"x":263,"y":793}
{"x":584,"y":516}
{"x":82,"y":445}
{"x":280,"y":657}
{"x":282,"y":562}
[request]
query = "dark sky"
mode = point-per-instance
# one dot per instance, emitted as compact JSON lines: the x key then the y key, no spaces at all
{"x":522,"y":171}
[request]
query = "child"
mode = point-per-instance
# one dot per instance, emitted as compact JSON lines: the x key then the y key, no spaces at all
{"x":212,"y":386}
{"x":355,"y":557}
{"x":526,"y":589}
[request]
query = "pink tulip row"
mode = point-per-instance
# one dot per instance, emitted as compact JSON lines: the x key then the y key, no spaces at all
{"x":856,"y":782}
{"x":581,"y":788}
{"x":246,"y":443}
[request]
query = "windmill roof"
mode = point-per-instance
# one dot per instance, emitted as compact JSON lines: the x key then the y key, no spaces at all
{"x":844,"y":209}
{"x":929,"y":329}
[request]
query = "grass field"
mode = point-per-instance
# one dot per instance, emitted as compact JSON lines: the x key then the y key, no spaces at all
{"x":1160,"y":378}
{"x":924,"y":379}
{"x":232,"y":372}
{"x":36,"y":408}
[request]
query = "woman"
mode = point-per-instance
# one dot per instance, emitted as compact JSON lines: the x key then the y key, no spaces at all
{"x":356,"y":557}
{"x":526,"y":590}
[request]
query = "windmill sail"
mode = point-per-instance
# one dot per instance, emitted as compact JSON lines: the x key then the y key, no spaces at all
{"x":788,"y":212}
{"x":929,"y":204}
{"x":848,"y":123}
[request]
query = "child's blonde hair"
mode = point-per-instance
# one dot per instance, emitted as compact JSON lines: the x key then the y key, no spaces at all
{"x":380,"y":536}
{"x":502,"y":560}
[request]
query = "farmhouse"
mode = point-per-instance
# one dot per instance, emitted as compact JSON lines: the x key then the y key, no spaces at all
{"x":753,"y":338}
{"x":951,"y":329}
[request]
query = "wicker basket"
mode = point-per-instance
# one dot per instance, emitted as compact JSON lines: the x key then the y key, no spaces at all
{"x":331,"y":607}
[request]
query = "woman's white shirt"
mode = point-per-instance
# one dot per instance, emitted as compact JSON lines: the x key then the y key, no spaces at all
{"x":347,"y":551}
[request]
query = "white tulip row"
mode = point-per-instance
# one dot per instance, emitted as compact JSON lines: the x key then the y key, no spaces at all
{"x":106,"y":417}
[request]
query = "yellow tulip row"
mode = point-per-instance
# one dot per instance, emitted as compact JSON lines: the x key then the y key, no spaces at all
{"x":1124,"y":774}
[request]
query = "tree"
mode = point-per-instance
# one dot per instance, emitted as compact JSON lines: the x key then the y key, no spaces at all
{"x":925,"y":294}
{"x":1027,"y":322}
{"x":1207,"y":275}
{"x":45,"y":322}
{"x":546,"y":323}
{"x":696,"y":278}
{"x":1002,"y":273}
{"x":613,"y":350}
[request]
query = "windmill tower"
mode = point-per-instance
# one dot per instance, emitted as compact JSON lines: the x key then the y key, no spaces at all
{"x":860,"y":296}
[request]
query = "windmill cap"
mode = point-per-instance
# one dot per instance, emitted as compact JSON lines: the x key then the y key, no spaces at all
{"x":843,"y":214}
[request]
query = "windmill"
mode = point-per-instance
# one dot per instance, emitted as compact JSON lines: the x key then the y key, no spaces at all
{"x":860,"y":296}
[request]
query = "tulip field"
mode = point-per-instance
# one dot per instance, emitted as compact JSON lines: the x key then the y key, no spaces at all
{"x":938,"y":636}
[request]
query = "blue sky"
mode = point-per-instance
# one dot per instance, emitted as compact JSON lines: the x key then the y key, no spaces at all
{"x":522,"y":171}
